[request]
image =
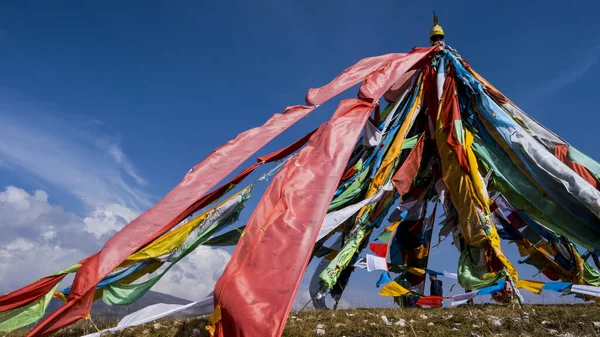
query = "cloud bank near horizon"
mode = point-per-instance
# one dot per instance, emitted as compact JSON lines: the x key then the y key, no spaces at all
{"x":42,"y":235}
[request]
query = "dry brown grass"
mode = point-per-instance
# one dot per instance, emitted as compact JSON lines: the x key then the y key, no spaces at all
{"x":487,"y":320}
{"x":482,"y":320}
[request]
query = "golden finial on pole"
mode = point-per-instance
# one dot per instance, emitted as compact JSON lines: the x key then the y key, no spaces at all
{"x":436,"y":34}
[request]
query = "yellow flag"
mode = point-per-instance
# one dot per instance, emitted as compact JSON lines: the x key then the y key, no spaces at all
{"x":173,"y":239}
{"x":495,"y":243}
{"x":522,"y":246}
{"x":533,"y":286}
{"x":416,"y":271}
{"x":166,"y":243}
{"x":215,"y":316}
{"x":393,"y":289}
{"x":393,"y":226}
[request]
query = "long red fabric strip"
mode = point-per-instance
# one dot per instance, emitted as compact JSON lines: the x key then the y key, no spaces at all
{"x":80,"y":308}
{"x":286,"y":151}
{"x":163,"y":216}
{"x":268,"y":158}
{"x":451,"y":113}
{"x":259,"y":284}
{"x":30,"y":293}
{"x":380,"y":73}
{"x":349,"y":77}
{"x":205,"y":175}
{"x":560,"y":151}
{"x":431,"y":98}
{"x":400,"y":87}
{"x":380,"y":81}
{"x":403,"y":179}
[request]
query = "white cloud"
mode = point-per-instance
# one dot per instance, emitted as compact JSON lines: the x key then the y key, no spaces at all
{"x":24,"y":262}
{"x":23,"y":207}
{"x":37,"y":238}
{"x":48,"y":235}
{"x":301,"y":300}
{"x":109,"y":219}
{"x":19,"y":245}
{"x":195,"y":276}
{"x":40,"y":239}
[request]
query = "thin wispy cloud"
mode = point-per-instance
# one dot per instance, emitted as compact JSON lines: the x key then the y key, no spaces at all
{"x":577,"y":69}
{"x":68,"y":154}
{"x":96,"y":171}
{"x":121,"y":159}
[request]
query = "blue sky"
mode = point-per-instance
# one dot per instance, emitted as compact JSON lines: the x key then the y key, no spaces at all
{"x":105,"y":105}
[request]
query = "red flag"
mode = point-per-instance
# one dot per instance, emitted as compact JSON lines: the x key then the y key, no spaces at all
{"x":380,"y":81}
{"x":380,"y":249}
{"x":451,"y":113}
{"x":257,"y":289}
{"x":30,"y":293}
{"x":516,"y":221}
{"x":400,"y":87}
{"x":380,"y":73}
{"x":286,"y":151}
{"x":560,"y":151}
{"x":431,"y":301}
{"x":349,"y":77}
{"x":406,"y":174}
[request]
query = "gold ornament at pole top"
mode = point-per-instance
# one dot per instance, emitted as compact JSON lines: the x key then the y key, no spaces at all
{"x":436,"y":34}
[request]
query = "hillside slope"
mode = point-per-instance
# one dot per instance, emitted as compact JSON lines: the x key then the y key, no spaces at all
{"x":481,"y":320}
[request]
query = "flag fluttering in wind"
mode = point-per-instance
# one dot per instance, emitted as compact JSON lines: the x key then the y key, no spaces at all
{"x":427,"y":142}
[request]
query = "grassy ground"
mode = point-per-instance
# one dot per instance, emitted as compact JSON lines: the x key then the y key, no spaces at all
{"x":485,"y":320}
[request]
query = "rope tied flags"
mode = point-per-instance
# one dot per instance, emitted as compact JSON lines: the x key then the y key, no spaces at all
{"x":442,"y":119}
